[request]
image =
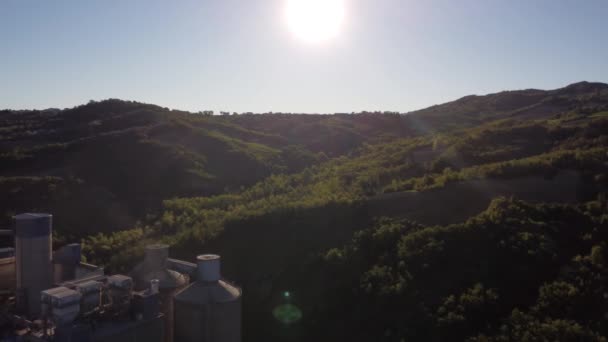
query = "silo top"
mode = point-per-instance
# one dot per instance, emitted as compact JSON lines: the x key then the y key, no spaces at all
{"x":208,"y":267}
{"x":33,"y":225}
{"x":207,"y":257}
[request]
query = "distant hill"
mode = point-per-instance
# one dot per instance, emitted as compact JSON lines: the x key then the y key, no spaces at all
{"x":134,"y":155}
{"x":582,"y":97}
{"x":127,"y":157}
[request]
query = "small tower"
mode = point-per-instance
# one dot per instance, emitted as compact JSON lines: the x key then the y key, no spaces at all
{"x":209,"y":310}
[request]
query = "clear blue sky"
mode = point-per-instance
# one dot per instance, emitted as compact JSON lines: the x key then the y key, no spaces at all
{"x":238,"y":55}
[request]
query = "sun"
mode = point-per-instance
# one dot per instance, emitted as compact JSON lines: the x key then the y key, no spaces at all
{"x":315,"y":20}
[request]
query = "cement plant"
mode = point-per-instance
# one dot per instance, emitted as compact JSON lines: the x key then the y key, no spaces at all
{"x":52,"y":295}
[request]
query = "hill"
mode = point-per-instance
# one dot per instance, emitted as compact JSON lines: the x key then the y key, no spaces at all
{"x":423,"y":224}
{"x":118,"y":160}
{"x":582,"y":97}
{"x":131,"y":156}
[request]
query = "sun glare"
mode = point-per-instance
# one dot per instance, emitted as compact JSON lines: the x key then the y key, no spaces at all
{"x":315,"y":20}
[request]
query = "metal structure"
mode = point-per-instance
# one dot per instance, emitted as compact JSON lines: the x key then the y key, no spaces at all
{"x":209,"y":310}
{"x":90,"y":291}
{"x":106,"y":309}
{"x":34,"y":253}
{"x":154,"y":271}
{"x":66,"y":261}
{"x":59,"y":298}
{"x":61,"y":304}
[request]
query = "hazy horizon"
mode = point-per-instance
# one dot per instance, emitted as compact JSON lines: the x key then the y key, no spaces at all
{"x":218,"y":112}
{"x":240,"y":56}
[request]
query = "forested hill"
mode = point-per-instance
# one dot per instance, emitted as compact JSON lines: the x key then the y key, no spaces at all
{"x":582,"y":97}
{"x":480,"y":219}
{"x":117,"y":160}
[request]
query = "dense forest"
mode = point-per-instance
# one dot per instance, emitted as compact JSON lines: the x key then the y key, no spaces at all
{"x":482,"y":219}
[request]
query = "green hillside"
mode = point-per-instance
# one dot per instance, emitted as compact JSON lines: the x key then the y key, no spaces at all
{"x":135,"y":155}
{"x":480,"y":219}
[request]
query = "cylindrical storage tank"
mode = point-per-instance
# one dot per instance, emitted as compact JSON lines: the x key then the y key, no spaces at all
{"x":153,"y":272}
{"x":209,"y":310}
{"x":33,"y":257}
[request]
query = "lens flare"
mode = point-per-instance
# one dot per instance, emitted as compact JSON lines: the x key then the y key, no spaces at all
{"x":287,"y":313}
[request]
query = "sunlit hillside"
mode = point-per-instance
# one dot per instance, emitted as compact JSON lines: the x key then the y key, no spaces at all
{"x":482,"y":218}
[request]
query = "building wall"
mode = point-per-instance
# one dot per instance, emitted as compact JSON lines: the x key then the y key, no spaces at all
{"x":141,"y":331}
{"x":7,"y":274}
{"x":34,"y":270}
{"x":219,"y":322}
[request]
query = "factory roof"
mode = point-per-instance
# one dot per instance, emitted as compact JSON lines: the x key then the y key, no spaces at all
{"x":60,"y":296}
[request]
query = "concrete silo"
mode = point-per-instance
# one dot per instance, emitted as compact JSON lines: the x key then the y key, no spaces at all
{"x":209,"y":310}
{"x":153,"y":270}
{"x":33,"y":257}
